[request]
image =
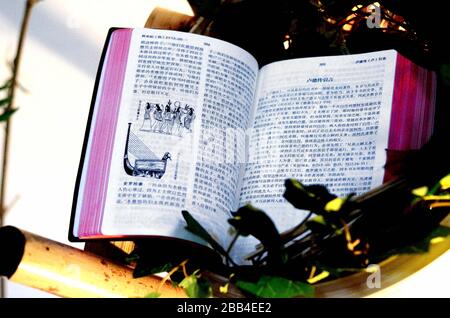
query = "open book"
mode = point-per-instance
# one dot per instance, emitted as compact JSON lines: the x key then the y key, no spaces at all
{"x":180,"y":121}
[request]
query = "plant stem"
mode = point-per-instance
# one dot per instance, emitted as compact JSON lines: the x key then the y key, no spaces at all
{"x":232,"y":242}
{"x":228,"y":258}
{"x":12,"y":90}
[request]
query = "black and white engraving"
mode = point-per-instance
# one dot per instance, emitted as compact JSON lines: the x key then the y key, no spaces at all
{"x":146,"y":163}
{"x":171,"y":119}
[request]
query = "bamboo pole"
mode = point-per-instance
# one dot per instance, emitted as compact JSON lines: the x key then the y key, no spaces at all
{"x":68,"y":272}
{"x":65,"y":271}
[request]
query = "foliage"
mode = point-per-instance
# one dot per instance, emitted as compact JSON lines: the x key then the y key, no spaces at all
{"x":7,"y":114}
{"x":422,"y":246}
{"x":276,"y":287}
{"x":313,"y":197}
{"x":5,"y":102}
{"x":7,"y":85}
{"x":342,"y":238}
{"x":143,"y":268}
{"x":196,"y":286}
{"x":153,"y":295}
{"x":196,"y":228}
{"x":251,"y":221}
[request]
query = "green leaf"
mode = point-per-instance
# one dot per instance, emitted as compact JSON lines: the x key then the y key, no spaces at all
{"x":251,"y":221}
{"x":153,"y":295}
{"x":6,"y":114}
{"x":296,"y":194}
{"x":445,"y":73}
{"x":338,"y":206}
{"x":143,"y":268}
{"x":319,"y":219}
{"x":318,"y":224}
{"x":420,"y":192}
{"x":337,"y":272}
{"x":445,"y":182}
{"x":277,"y":287}
{"x":196,"y":228}
{"x":334,"y":205}
{"x":6,"y":85}
{"x":132,"y":257}
{"x":5,"y":102}
{"x":422,"y":246}
{"x":312,"y":198}
{"x":196,"y":287}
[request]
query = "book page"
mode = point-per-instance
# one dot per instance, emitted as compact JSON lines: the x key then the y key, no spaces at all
{"x":321,"y":120}
{"x":181,"y":94}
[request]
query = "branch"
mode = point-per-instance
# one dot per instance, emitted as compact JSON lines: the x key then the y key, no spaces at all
{"x":8,"y":110}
